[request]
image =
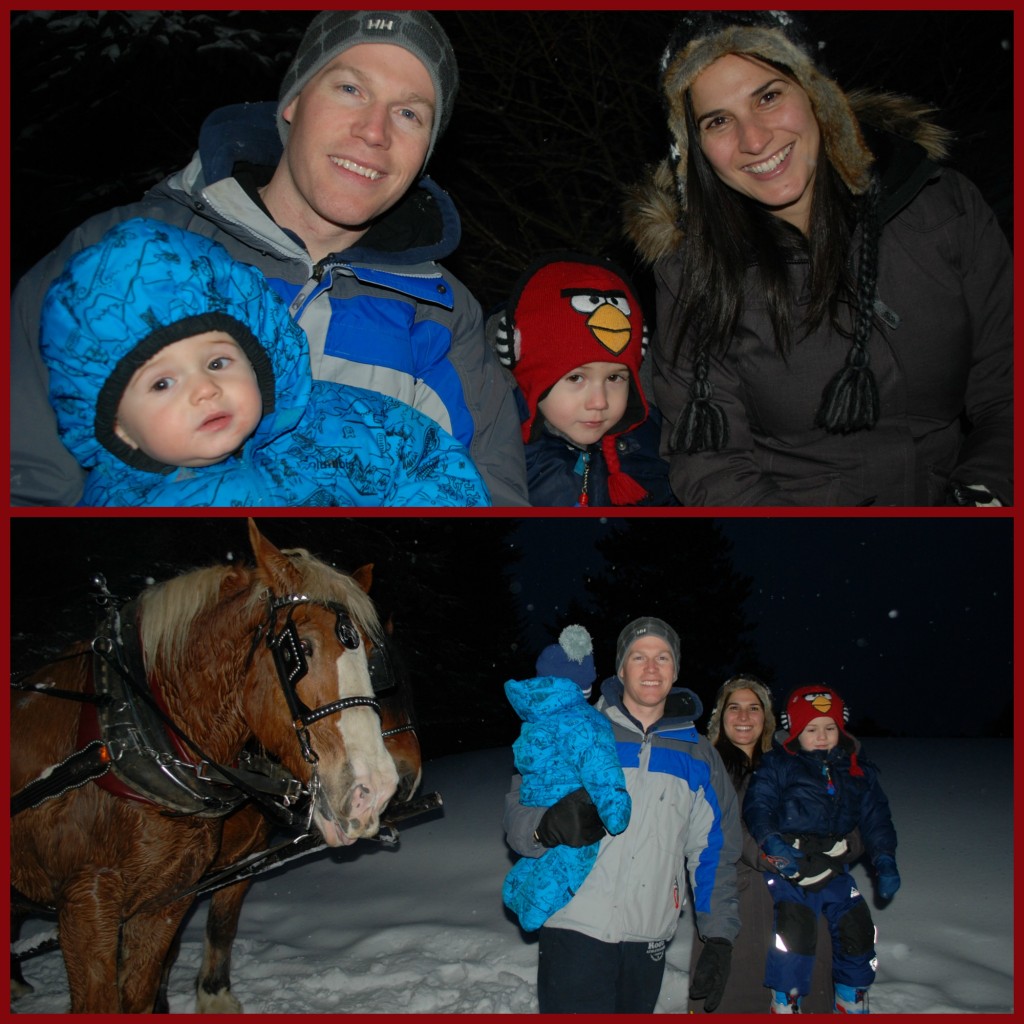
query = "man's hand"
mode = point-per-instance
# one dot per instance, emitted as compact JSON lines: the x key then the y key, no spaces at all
{"x":572,"y":821}
{"x":711,"y":973}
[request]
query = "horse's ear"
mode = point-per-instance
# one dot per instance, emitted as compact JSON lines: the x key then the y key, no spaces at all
{"x":364,"y":577}
{"x":280,"y":568}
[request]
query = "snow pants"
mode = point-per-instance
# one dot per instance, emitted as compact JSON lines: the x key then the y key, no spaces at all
{"x":790,"y":959}
{"x":578,"y":974}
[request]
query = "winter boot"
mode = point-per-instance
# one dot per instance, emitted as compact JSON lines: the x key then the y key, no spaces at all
{"x":851,"y":1000}
{"x":785,"y":1002}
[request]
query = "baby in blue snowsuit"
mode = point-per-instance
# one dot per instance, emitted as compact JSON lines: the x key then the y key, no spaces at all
{"x":178,"y":377}
{"x":564,"y":744}
{"x":809,"y":792}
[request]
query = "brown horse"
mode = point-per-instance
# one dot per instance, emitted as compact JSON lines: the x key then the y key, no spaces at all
{"x":279,"y":653}
{"x":248,"y":830}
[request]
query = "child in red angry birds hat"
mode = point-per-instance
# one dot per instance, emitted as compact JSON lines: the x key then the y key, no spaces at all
{"x":573,"y":334}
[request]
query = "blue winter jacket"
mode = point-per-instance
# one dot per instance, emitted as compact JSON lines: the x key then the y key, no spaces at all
{"x":318,"y":444}
{"x":789,"y":796}
{"x":564,"y":744}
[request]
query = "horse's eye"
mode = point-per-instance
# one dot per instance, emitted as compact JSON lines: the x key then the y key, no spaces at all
{"x":307,"y":647}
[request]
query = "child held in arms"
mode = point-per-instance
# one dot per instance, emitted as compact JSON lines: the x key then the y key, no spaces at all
{"x":179,"y":378}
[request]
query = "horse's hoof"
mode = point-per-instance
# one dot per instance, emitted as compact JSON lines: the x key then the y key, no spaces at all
{"x":217,"y":1002}
{"x":20,"y":988}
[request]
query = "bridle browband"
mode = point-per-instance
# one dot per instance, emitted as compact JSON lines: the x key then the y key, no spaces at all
{"x":292,"y":667}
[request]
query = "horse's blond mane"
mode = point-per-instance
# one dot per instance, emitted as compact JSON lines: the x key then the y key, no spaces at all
{"x":169,"y":609}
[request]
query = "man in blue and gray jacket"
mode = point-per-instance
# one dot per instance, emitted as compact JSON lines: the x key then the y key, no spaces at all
{"x":324,"y":192}
{"x":604,"y":951}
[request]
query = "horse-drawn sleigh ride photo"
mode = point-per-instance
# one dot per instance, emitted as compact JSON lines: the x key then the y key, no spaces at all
{"x":154,"y":760}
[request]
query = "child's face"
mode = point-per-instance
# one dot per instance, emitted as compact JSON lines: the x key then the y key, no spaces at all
{"x":586,"y":403}
{"x":193,"y":404}
{"x":819,"y":734}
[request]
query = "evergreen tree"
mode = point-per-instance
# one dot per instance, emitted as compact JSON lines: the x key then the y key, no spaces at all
{"x":678,"y":570}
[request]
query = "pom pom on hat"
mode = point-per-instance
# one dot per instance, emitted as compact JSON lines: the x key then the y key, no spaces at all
{"x":571,"y":658}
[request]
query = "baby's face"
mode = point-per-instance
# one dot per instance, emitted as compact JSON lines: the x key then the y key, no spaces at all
{"x":193,"y":404}
{"x":587,"y":402}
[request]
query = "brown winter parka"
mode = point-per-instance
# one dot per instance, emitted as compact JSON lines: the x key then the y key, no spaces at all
{"x":941,"y":352}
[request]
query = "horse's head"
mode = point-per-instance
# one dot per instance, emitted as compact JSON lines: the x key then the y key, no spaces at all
{"x":308,"y":693}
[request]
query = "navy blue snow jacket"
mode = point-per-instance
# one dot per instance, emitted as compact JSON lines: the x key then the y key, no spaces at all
{"x":795,"y":792}
{"x":318,"y":443}
{"x":555,"y":468}
{"x":564,"y":744}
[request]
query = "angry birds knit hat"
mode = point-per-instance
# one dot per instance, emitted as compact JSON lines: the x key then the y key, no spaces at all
{"x":810,"y":702}
{"x":569,"y":309}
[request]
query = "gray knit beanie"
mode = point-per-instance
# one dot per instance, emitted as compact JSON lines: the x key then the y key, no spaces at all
{"x":646,"y":626}
{"x":331,"y":33}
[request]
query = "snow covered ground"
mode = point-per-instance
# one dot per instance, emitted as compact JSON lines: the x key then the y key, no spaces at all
{"x":421,"y":928}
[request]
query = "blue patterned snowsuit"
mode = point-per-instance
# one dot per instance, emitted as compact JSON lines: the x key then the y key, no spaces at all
{"x":318,"y":443}
{"x":564,"y":744}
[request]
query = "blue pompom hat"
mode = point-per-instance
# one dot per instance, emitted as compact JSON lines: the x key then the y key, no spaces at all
{"x":571,"y":658}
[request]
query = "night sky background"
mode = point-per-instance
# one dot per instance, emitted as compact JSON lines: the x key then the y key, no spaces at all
{"x":909,"y":618}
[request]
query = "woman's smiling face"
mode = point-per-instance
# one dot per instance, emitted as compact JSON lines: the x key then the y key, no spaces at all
{"x":759,"y":133}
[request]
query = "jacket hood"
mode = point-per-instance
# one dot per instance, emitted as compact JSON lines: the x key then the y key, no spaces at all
{"x":683,"y":706}
{"x":903,"y":138}
{"x":423,"y":226}
{"x":143,"y":286}
{"x":535,"y":700}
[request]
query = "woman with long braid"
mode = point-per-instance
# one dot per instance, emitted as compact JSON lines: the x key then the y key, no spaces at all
{"x":834,"y":315}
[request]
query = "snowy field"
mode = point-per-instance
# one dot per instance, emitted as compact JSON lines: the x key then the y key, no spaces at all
{"x":421,"y":928}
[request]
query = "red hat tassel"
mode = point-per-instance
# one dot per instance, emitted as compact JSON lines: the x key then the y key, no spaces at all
{"x":622,"y":488}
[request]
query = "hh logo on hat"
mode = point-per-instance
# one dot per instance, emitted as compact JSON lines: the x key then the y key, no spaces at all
{"x":607,"y":314}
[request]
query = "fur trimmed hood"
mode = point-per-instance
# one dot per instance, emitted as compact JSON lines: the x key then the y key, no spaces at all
{"x":655,"y":207}
{"x":653,"y":211}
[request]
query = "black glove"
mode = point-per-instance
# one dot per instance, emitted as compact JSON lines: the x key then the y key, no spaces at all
{"x":711,"y":973}
{"x":970,"y":495}
{"x":572,"y":821}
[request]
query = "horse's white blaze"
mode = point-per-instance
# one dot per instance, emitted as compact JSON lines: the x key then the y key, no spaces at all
{"x":374,"y":771}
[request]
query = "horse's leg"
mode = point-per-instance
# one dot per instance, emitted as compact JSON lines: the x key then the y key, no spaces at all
{"x":244,"y":832}
{"x":213,"y":985}
{"x":161,"y":1003}
{"x":146,"y":939}
{"x":88,"y":922}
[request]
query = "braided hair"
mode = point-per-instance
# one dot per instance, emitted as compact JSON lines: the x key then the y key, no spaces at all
{"x":724,"y":234}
